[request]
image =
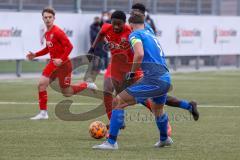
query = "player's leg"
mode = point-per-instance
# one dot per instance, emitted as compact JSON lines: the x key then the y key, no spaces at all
{"x":117,"y":120}
{"x":64,"y":73}
{"x":42,"y":98}
{"x":108,"y":91}
{"x":108,"y":95}
{"x":190,"y":106}
{"x":162,"y":121}
{"x":132,"y":95}
{"x":147,"y":103}
{"x":47,"y":74}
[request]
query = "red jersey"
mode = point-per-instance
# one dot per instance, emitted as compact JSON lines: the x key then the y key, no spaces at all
{"x":57,"y":44}
{"x":122,"y":56}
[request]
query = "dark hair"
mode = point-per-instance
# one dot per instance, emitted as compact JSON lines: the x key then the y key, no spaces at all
{"x":119,"y":15}
{"x":136,"y":19}
{"x":48,"y":10}
{"x":140,"y":7}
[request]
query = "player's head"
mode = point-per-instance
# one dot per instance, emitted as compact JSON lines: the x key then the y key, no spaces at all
{"x":136,"y":21}
{"x":48,"y":16}
{"x":139,"y":8}
{"x":118,"y":20}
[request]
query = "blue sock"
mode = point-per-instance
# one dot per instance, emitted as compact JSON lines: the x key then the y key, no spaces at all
{"x":116,"y":122}
{"x":162,"y":123}
{"x":185,"y":105}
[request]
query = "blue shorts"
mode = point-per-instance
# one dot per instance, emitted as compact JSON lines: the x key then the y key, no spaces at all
{"x":154,"y":88}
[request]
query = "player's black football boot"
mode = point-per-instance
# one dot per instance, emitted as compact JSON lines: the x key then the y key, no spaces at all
{"x":194,"y":111}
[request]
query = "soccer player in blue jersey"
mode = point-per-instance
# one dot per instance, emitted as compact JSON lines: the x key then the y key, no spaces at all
{"x":155,"y":84}
{"x":139,"y":8}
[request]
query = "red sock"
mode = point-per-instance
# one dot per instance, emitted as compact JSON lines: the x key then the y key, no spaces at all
{"x":79,"y":88}
{"x":108,"y":104}
{"x":42,"y":97}
{"x":169,"y":131}
{"x":148,"y":104}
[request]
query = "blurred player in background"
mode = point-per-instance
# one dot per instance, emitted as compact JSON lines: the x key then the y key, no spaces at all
{"x":155,"y":84}
{"x":96,"y":63}
{"x":59,"y":66}
{"x":139,"y":8}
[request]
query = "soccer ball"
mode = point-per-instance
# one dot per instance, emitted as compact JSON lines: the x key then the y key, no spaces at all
{"x":97,"y":129}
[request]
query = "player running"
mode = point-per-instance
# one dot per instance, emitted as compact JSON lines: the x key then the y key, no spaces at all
{"x":154,"y":84}
{"x":121,"y":63}
{"x":140,"y":9}
{"x":116,"y":34}
{"x":59,"y":66}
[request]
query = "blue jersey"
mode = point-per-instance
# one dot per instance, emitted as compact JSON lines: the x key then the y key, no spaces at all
{"x":153,"y":63}
{"x":148,"y":28}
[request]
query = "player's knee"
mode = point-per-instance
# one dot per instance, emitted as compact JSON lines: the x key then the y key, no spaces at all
{"x":116,"y":102}
{"x":66,"y":93}
{"x":157,"y":109}
{"x":42,"y":86}
{"x":108,"y":87}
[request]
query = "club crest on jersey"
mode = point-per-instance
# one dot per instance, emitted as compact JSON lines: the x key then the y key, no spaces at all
{"x":49,"y":44}
{"x":51,"y":36}
{"x":123,"y":39}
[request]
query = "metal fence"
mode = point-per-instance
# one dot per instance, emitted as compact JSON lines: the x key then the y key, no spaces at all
{"x":192,"y":7}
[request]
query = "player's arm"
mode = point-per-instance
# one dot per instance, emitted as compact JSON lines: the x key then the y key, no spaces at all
{"x":100,"y":37}
{"x":42,"y":52}
{"x":137,"y":47}
{"x":66,"y":44}
{"x":138,"y":53}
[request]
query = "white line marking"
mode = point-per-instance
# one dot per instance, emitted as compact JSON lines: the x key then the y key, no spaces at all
{"x":50,"y":103}
{"x":88,"y":104}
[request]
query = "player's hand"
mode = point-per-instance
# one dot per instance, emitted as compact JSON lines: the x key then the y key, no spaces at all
{"x":57,"y":62}
{"x":30,"y":56}
{"x":91,"y":50}
{"x":130,"y":76}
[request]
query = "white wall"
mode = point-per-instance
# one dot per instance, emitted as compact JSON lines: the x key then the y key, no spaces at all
{"x":179,"y":35}
{"x":199,"y":35}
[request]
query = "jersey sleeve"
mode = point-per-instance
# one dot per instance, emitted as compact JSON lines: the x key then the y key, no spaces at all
{"x":149,"y":28}
{"x":42,"y":52}
{"x":65,"y":42}
{"x":134,"y":38}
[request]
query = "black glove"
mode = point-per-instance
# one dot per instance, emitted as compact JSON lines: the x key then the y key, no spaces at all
{"x":91,"y":50}
{"x":130,"y":76}
{"x":128,"y":79}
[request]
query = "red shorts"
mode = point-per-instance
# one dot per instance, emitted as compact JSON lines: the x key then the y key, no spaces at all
{"x":119,"y":75}
{"x":63,"y":73}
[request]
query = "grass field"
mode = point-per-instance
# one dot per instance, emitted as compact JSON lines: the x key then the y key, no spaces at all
{"x":27,"y":66}
{"x":214,"y":136}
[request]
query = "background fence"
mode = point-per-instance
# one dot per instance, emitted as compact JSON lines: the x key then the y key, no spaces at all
{"x":193,"y":7}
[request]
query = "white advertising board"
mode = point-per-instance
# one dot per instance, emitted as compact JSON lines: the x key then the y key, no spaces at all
{"x":198,"y":35}
{"x":178,"y":35}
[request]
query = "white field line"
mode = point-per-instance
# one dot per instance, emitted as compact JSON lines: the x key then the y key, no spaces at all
{"x":88,"y":104}
{"x":50,"y":103}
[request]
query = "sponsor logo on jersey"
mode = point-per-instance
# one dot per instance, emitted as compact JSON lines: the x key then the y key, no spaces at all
{"x":49,"y":44}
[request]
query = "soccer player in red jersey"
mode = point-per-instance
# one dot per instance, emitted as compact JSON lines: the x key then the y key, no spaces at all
{"x":59,"y":66}
{"x":116,"y":35}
